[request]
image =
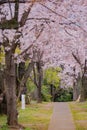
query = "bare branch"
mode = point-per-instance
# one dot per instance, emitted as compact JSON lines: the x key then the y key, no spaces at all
{"x":65,"y":28}
{"x":53,"y":11}
{"x":38,"y":33}
{"x":77,"y":59}
{"x":73,"y":23}
{"x":70,"y":21}
{"x":12,"y":1}
{"x":10,"y":7}
{"x":25,"y":77}
{"x":25,"y":14}
{"x":29,"y":47}
{"x":41,"y":19}
{"x":5,"y":40}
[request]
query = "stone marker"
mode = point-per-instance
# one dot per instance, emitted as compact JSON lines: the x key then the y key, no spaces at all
{"x":23,"y":101}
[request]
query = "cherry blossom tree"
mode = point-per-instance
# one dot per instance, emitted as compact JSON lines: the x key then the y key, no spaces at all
{"x":59,"y":27}
{"x":10,"y":35}
{"x":12,"y":24}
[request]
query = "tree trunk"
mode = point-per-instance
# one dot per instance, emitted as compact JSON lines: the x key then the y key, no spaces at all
{"x":77,"y":86}
{"x":52,"y":92}
{"x":10,"y":86}
{"x":84,"y":88}
{"x":39,"y":96}
{"x":39,"y":81}
{"x":75,"y":93}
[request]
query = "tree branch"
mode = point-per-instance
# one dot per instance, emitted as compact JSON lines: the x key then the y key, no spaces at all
{"x":77,"y":59}
{"x":25,"y":77}
{"x":53,"y":11}
{"x":25,"y":14}
{"x":12,"y":1}
{"x":35,"y":79}
{"x":10,"y":7}
{"x":68,"y":32}
{"x":45,"y":19}
{"x":16,"y":10}
{"x":70,"y":21}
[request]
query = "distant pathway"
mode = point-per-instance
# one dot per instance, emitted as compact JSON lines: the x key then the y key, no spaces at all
{"x":61,"y":118}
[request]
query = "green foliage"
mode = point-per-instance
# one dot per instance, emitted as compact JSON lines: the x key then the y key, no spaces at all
{"x":45,"y":94}
{"x":17,"y":51}
{"x":27,"y":63}
{"x":4,"y":127}
{"x":2,"y":55}
{"x":35,"y":116}
{"x":9,"y":24}
{"x":64,"y":95}
{"x":30,"y":85}
{"x":3,"y":119}
{"x":65,"y":98}
{"x":51,"y":76}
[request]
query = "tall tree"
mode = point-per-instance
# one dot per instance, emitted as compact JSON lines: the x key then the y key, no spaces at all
{"x":82,"y":81}
{"x":9,"y":48}
{"x":52,"y":79}
{"x":37,"y":77}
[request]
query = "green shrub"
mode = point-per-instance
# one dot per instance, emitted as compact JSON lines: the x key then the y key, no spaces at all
{"x":30,"y":86}
{"x":45,"y":94}
{"x":4,"y":127}
{"x":64,"y":95}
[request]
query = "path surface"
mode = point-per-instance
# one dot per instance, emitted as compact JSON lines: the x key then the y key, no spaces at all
{"x":61,"y":118}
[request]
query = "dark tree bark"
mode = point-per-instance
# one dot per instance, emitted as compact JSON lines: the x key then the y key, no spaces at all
{"x":38,"y":75}
{"x":20,"y":71}
{"x":77,"y":85}
{"x":39,"y":96}
{"x":1,"y":81}
{"x":84,"y":88}
{"x":83,"y":78}
{"x":10,"y":76}
{"x":39,"y":81}
{"x":84,"y":84}
{"x":25,"y":77}
{"x":52,"y":92}
{"x":75,"y":92}
{"x":10,"y":86}
{"x":3,"y":101}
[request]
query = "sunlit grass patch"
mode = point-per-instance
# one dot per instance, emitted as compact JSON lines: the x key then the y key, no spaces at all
{"x":3,"y":119}
{"x":36,"y":116}
{"x":79,"y":112}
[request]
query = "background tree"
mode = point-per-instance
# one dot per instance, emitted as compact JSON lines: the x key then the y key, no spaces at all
{"x":82,"y":78}
{"x":66,"y":31}
{"x":52,"y":79}
{"x":38,"y":74}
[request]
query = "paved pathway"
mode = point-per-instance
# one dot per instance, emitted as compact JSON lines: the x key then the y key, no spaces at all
{"x":61,"y":118}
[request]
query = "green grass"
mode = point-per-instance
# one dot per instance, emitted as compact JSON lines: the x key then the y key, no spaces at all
{"x":79,"y":112}
{"x":34,"y":117}
{"x":2,"y":119}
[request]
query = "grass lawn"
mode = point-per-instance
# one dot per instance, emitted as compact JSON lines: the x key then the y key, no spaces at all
{"x":79,"y":112}
{"x":34,"y":117}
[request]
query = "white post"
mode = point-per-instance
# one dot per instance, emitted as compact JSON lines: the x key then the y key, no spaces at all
{"x":23,"y":101}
